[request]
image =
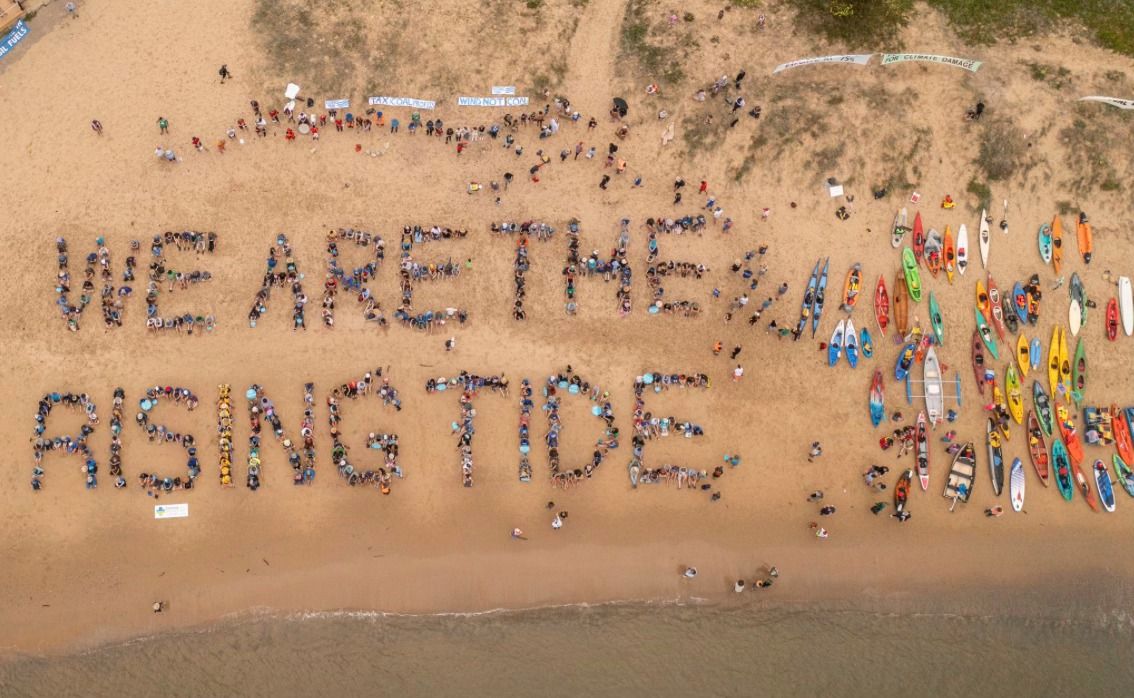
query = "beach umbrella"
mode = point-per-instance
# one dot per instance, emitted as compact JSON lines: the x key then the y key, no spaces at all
{"x":621,"y":106}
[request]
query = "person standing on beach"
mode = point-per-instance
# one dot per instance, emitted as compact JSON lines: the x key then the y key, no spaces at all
{"x":518,"y":534}
{"x":224,"y":73}
{"x":70,"y":7}
{"x":603,"y":182}
{"x":96,"y":126}
{"x":163,"y":124}
{"x":737,"y":373}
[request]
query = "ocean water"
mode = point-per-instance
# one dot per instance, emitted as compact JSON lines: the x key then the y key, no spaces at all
{"x":614,"y":650}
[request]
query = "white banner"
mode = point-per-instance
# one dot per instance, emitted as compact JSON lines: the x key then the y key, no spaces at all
{"x":854,"y":58}
{"x":337,"y":104}
{"x":1112,"y":101}
{"x":171,"y":511}
{"x":503,"y":89}
{"x":492,"y":101}
{"x":403,"y":102}
{"x":966,"y":63}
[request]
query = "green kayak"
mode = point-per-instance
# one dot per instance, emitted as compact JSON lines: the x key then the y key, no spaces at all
{"x":913,"y":277}
{"x":935,"y":319}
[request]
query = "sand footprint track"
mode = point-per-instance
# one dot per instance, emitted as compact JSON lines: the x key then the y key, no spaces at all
{"x":594,"y":49}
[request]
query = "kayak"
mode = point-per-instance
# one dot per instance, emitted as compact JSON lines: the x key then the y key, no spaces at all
{"x":1001,"y":409}
{"x":835,"y":347}
{"x":982,"y":301}
{"x":1112,"y":319}
{"x":1016,"y":485}
{"x":808,"y":300}
{"x":1011,"y":320}
{"x":1020,"y":302}
{"x":959,"y":484}
{"x":962,"y":249}
{"x":850,"y":340}
{"x":1084,"y":486}
{"x":996,"y":308}
{"x":918,"y":238}
{"x":935,"y":320}
{"x":1036,"y":354}
{"x":933,"y":252}
{"x":1045,"y":243}
{"x":1125,"y":475}
{"x":913,"y":276}
{"x":1079,"y":372}
{"x":877,"y":405}
{"x":852,"y":286}
{"x":881,"y":305}
{"x":950,"y":252}
{"x":1086,"y":238}
{"x":905,"y":360}
{"x":1023,"y":355}
{"x":1056,"y":243}
{"x":866,"y":343}
{"x":922,"y":441}
{"x":902,"y":492}
{"x":1123,"y":442}
{"x":995,"y":458}
{"x":901,"y":305}
{"x":1033,"y":292}
{"x":986,"y":335}
{"x":985,"y":240}
{"x":1077,"y":292}
{"x":1064,"y":363}
{"x":815,"y":316}
{"x":1126,"y":304}
{"x":900,"y":228}
{"x":932,"y":385}
{"x":1015,"y":397}
{"x":1104,"y":485}
{"x":1053,"y":362}
{"x":1075,"y":317}
{"x":978,"y":361}
{"x":1042,"y":403}
{"x":1062,"y":469}
{"x":1037,"y":448}
{"x":1069,"y":433}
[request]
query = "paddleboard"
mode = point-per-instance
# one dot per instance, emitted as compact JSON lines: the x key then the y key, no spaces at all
{"x":1016,"y":485}
{"x":1044,"y":239}
{"x":835,"y":347}
{"x":985,"y":239}
{"x":850,"y":339}
{"x":962,"y":249}
{"x":1036,"y":351}
{"x":1075,"y":317}
{"x":1126,"y":304}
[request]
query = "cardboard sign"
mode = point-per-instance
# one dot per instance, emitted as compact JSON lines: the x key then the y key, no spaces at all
{"x":171,"y":511}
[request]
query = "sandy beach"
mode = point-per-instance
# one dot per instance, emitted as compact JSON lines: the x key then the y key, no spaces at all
{"x":81,"y":568}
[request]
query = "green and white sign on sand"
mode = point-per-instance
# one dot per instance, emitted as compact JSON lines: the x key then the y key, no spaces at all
{"x":966,"y":63}
{"x":1112,"y":101}
{"x":856,"y":59}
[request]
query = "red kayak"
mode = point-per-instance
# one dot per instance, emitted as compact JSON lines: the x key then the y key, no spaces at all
{"x":978,"y":361}
{"x":882,"y":306}
{"x":918,"y":239}
{"x":1122,"y":440}
{"x":1112,"y":319}
{"x":1070,"y":434}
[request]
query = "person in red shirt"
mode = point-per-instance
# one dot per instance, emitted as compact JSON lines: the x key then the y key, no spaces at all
{"x":704,"y":187}
{"x":198,"y":144}
{"x":290,"y":135}
{"x":314,"y":133}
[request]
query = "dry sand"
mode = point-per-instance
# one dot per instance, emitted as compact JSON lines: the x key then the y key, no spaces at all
{"x":78,"y":568}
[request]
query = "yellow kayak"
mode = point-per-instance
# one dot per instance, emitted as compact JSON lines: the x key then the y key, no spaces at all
{"x":1064,"y":364}
{"x":1023,"y":355}
{"x":1053,"y":363}
{"x":1015,"y":397}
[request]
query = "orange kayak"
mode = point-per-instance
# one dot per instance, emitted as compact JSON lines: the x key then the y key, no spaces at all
{"x":1086,"y":238}
{"x":1056,"y":243}
{"x":950,"y":254}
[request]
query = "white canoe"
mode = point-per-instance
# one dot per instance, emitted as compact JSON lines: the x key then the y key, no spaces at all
{"x":1126,"y":304}
{"x":934,"y":396}
{"x":962,"y":249}
{"x":984,"y":238}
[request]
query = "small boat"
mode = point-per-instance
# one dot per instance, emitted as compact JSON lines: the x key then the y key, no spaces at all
{"x":1126,"y":304}
{"x":933,"y":248}
{"x":922,"y":440}
{"x":978,"y":361}
{"x":950,"y":252}
{"x":1023,"y":355}
{"x":962,"y":249}
{"x":1123,"y":441}
{"x":986,"y":335}
{"x":822,"y":289}
{"x":1016,"y":484}
{"x":1001,"y":409}
{"x":902,"y":492}
{"x":852,"y":287}
{"x":1061,"y":463}
{"x":1020,"y":302}
{"x":996,"y":308}
{"x":850,"y":340}
{"x":932,"y":383}
{"x":900,"y":228}
{"x":877,"y":404}
{"x":1069,"y":432}
{"x":1064,"y":363}
{"x":913,"y":276}
{"x":995,"y":458}
{"x":918,"y":238}
{"x":1042,"y":403}
{"x":1079,"y":372}
{"x":1053,"y":362}
{"x":1011,"y":321}
{"x":935,"y":320}
{"x":905,"y":360}
{"x":1125,"y":475}
{"x":1033,"y":302}
{"x":1112,"y":319}
{"x":1015,"y":396}
{"x":959,"y":484}
{"x":982,"y":303}
{"x":1045,"y":243}
{"x":901,"y":305}
{"x":1036,"y":351}
{"x":866,"y":343}
{"x":1077,"y":292}
{"x":835,"y":347}
{"x":881,"y":305}
{"x":1104,"y":485}
{"x":808,"y":300}
{"x":1084,"y":486}
{"x":1056,"y":244}
{"x":985,"y":240}
{"x":1037,"y":448}
{"x":1086,"y":238}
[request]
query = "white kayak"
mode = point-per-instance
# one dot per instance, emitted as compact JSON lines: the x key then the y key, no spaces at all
{"x":1075,"y":317}
{"x":1126,"y":304}
{"x":1016,"y":485}
{"x":985,"y":239}
{"x":962,"y":249}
